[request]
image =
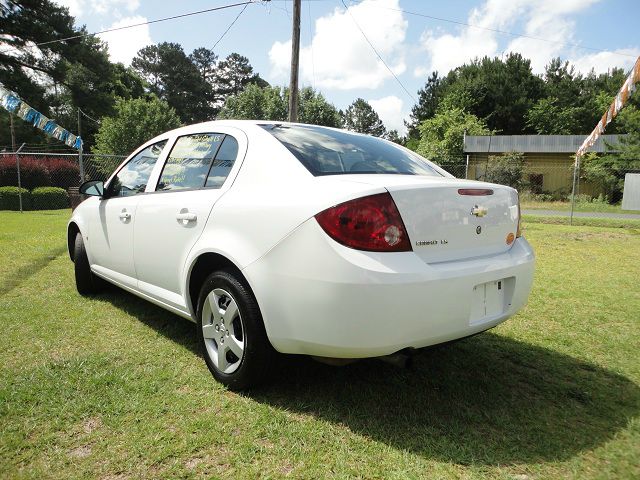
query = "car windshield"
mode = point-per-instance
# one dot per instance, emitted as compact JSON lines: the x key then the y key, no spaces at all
{"x":325,"y":151}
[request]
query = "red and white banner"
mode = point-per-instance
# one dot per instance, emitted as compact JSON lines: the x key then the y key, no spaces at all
{"x":623,"y":95}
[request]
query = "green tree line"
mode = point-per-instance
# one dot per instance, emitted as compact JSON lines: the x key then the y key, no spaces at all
{"x":165,"y":87}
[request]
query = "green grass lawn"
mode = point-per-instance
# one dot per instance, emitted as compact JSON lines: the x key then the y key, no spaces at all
{"x":579,"y":206}
{"x":632,"y":224}
{"x":114,"y":388}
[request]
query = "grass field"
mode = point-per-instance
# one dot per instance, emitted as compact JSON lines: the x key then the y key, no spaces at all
{"x":629,"y":224}
{"x":579,"y":206}
{"x":113,"y":388}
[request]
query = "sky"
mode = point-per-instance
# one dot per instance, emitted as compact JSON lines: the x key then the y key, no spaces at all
{"x":412,"y":37}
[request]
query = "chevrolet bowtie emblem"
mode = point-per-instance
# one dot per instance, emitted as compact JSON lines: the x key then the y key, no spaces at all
{"x":479,"y":211}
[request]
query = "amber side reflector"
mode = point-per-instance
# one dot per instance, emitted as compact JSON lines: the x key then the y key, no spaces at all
{"x":476,"y":192}
{"x":510,"y":238}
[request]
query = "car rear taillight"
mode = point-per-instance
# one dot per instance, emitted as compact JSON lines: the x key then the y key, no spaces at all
{"x":370,"y":223}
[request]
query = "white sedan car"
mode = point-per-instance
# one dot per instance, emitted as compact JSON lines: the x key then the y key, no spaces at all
{"x":302,"y":239}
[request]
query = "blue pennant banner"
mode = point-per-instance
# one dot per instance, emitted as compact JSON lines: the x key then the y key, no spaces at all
{"x":12,"y":103}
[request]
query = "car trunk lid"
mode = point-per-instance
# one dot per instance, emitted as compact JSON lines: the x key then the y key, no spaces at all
{"x":450,"y":219}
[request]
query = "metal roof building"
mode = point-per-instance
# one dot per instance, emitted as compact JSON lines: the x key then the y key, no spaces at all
{"x":548,"y":158}
{"x":534,"y":143}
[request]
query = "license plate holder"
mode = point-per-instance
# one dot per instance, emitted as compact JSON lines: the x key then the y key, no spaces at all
{"x":488,"y":301}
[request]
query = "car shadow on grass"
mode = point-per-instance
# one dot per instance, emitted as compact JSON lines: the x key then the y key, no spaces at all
{"x":25,"y":272}
{"x":486,"y":400}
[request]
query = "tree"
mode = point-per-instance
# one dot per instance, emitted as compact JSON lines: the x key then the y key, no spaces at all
{"x":256,"y":103}
{"x":429,"y":98}
{"x":496,"y":91}
{"x":271,"y":103}
{"x":506,"y":169}
{"x":608,"y":170}
{"x":562,"y":82}
{"x":174,"y":78}
{"x":126,"y":82}
{"x":568,"y":105}
{"x":442,"y":137}
{"x":205,"y":61}
{"x":54,"y":78}
{"x":394,"y":136}
{"x":135,"y":122}
{"x":361,"y":117}
{"x":314,"y":109}
{"x":573,"y":103}
{"x":232,"y":75}
{"x":548,"y":117}
{"x":598,"y":91}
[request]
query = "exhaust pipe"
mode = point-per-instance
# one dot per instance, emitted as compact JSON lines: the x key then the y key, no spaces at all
{"x":334,"y":362}
{"x":402,"y":359}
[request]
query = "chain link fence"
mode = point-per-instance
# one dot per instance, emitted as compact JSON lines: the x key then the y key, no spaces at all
{"x":547,"y":184}
{"x":49,"y":180}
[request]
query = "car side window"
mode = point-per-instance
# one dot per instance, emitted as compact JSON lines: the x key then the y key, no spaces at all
{"x":133,"y":177}
{"x":223,"y":163}
{"x":189,"y":162}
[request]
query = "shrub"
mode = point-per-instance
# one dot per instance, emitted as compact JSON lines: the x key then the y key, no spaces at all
{"x":33,"y":173}
{"x":506,"y":169}
{"x":10,"y":198}
{"x":63,"y":173}
{"x":528,"y":196}
{"x":590,"y":199}
{"x":49,"y":198}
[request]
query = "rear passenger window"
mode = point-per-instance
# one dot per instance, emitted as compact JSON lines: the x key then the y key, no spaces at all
{"x":188,"y":164}
{"x":223,"y":163}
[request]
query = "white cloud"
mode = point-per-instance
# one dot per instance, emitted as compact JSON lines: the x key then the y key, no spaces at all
{"x":603,"y":61}
{"x":78,"y":8}
{"x":550,"y":20}
{"x":124,"y":44}
{"x":109,"y":6}
{"x":75,"y":6}
{"x":449,"y":51}
{"x":280,"y":57}
{"x":389,"y":109}
{"x":339,"y":57}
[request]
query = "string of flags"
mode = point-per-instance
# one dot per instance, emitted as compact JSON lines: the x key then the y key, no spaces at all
{"x":14,"y":104}
{"x":628,"y":87}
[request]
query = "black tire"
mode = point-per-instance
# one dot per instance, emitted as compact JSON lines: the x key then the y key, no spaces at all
{"x":86,"y":282}
{"x":258,"y":357}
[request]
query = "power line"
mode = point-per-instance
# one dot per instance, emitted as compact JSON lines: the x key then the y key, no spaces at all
{"x":231,"y":25}
{"x":87,"y":116}
{"x":149,"y":22}
{"x":377,"y":54}
{"x":313,"y":64}
{"x":504,"y":32}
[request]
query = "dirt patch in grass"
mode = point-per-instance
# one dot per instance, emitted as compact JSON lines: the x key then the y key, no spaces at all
{"x":80,"y":452}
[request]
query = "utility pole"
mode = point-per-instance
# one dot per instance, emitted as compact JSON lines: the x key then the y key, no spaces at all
{"x":295,"y":61}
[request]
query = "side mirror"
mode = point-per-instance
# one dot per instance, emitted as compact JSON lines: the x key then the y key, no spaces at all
{"x":94,"y":188}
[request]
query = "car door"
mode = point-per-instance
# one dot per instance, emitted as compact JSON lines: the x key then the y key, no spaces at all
{"x":170,"y":220}
{"x":111,"y":231}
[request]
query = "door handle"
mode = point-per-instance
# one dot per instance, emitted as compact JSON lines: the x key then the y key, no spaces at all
{"x":185,"y":217}
{"x":124,"y":215}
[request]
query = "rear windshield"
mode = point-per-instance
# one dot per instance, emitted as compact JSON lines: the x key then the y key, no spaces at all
{"x":324,"y":151}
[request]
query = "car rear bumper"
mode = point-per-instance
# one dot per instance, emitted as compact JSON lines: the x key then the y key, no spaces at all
{"x":320,"y":298}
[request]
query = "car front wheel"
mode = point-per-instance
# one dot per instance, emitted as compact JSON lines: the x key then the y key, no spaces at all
{"x":86,"y":282}
{"x":234,"y":342}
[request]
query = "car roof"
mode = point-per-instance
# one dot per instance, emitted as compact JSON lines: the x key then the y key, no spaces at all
{"x":241,"y":124}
